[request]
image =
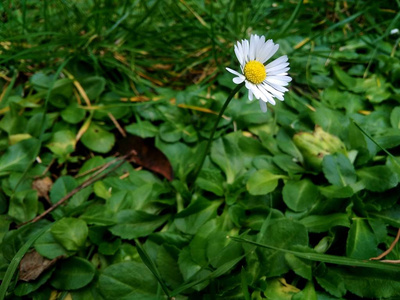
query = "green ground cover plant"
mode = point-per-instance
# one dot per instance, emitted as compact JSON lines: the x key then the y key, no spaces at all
{"x":106,"y":109}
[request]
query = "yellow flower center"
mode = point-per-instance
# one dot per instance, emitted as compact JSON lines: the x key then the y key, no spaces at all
{"x":255,"y":72}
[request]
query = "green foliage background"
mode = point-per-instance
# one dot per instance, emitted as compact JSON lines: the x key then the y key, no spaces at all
{"x":290,"y":204}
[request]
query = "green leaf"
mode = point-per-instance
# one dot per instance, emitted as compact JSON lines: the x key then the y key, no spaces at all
{"x":300,"y":195}
{"x":211,"y":180}
{"x":308,"y":293}
{"x":170,"y":132}
{"x":93,"y":86}
{"x":128,"y":281}
{"x":344,"y":78}
{"x":338,"y":169}
{"x":262,"y":182}
{"x":23,"y":205}
{"x":61,"y":187}
{"x":167,"y":262}
{"x":331,"y":281}
{"x":73,"y":273}
{"x":97,"y":139}
{"x":395,"y":117}
{"x":71,"y":233}
{"x":318,"y":223}
{"x":286,"y":144}
{"x":61,"y":93}
{"x":98,"y":215}
{"x":374,"y":284}
{"x":48,"y":246}
{"x":18,"y":156}
{"x":226,"y":153}
{"x":144,"y":129}
{"x":62,"y":143}
{"x":195,"y":215}
{"x":361,"y":241}
{"x":377,"y":178}
{"x":273,"y":261}
{"x":73,"y":114}
{"x":134,"y":224}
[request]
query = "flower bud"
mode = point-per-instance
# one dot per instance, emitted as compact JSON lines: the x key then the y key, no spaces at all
{"x":314,"y":146}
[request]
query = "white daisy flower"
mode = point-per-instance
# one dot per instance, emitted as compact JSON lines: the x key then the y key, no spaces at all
{"x":264,"y":82}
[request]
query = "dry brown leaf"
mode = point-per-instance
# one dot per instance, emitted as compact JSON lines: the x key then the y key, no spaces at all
{"x":33,"y":265}
{"x":145,"y":154}
{"x":43,"y":186}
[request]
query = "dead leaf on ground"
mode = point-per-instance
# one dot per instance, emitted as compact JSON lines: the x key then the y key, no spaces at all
{"x":33,"y":265}
{"x":43,"y":186}
{"x":145,"y":154}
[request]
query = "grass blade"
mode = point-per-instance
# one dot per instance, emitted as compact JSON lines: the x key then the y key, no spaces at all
{"x":152,"y":267}
{"x":333,"y":259}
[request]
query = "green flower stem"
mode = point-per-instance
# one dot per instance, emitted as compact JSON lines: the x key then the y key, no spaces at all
{"x":210,"y":139}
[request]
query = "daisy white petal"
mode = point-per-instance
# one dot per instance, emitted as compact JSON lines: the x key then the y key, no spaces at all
{"x":238,"y":80}
{"x":277,"y":61}
{"x":233,"y":72}
{"x":263,"y":106}
{"x":263,"y":82}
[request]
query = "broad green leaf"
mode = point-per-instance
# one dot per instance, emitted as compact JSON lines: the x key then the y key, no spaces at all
{"x":187,"y":266}
{"x":93,"y":86}
{"x":62,"y":143}
{"x":334,"y":191}
{"x":72,"y":274}
{"x":308,"y":293}
{"x":330,"y":280}
{"x":134,"y":224}
{"x":127,"y":281}
{"x":23,"y":205}
{"x":167,"y":262}
{"x":220,"y":249}
{"x":100,"y":190}
{"x":390,"y":216}
{"x":195,"y":215}
{"x":97,"y":139}
{"x":300,"y":195}
{"x":61,"y":93}
{"x":144,"y":129}
{"x":338,"y":169}
{"x":48,"y":246}
{"x":262,"y":182}
{"x":377,"y":178}
{"x":300,"y":266}
{"x":361,"y":241}
{"x":71,"y":233}
{"x":395,"y":117}
{"x":98,"y":215}
{"x":73,"y":114}
{"x":273,"y":262}
{"x":170,"y":132}
{"x":344,"y":78}
{"x":286,"y":144}
{"x":374,"y":284}
{"x":18,"y":156}
{"x":322,"y":223}
{"x":211,"y":180}
{"x":61,"y":187}
{"x":225,"y":152}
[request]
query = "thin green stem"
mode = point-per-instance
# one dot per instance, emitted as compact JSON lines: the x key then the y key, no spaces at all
{"x":210,"y":139}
